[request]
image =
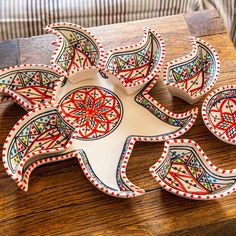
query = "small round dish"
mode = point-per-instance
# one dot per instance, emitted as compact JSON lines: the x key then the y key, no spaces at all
{"x":219,"y":113}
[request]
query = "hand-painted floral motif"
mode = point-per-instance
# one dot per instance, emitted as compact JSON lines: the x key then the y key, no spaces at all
{"x":97,"y":111}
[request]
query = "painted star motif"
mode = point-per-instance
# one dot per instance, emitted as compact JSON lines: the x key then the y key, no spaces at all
{"x":96,"y":113}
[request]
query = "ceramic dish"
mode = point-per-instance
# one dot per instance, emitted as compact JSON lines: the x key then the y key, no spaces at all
{"x":135,"y":65}
{"x":93,"y":115}
{"x":28,"y":85}
{"x":97,"y":122}
{"x":219,"y":113}
{"x":76,"y":48}
{"x":195,"y":74}
{"x":185,"y":170}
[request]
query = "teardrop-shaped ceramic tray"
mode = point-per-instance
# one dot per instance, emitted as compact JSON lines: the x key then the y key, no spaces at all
{"x":192,"y":76}
{"x":185,"y":170}
{"x":96,"y":112}
{"x":219,"y":113}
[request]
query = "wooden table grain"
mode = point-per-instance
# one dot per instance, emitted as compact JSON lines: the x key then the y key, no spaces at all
{"x":61,"y":201}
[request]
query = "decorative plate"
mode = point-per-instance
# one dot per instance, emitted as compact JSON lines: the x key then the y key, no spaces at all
{"x":95,"y":115}
{"x":185,"y":170}
{"x":195,"y":74}
{"x":219,"y":113}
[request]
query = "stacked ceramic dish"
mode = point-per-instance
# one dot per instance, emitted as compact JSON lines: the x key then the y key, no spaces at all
{"x":94,"y":105}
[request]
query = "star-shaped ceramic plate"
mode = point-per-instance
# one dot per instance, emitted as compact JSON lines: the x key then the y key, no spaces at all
{"x":98,"y":109}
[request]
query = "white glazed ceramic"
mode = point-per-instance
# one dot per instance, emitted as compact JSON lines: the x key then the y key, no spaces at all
{"x":219,"y":113}
{"x":94,"y":115}
{"x":185,"y":170}
{"x":195,"y":74}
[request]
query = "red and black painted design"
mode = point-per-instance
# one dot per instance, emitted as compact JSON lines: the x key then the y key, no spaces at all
{"x":95,"y":110}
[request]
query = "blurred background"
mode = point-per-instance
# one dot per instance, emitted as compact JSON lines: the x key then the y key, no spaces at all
{"x":25,"y":18}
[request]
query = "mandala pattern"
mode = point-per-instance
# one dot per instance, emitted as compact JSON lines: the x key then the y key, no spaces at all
{"x":47,"y":131}
{"x":183,"y":170}
{"x":222,"y":113}
{"x":34,"y":85}
{"x":97,"y":111}
{"x":196,"y":74}
{"x":78,"y":50}
{"x":136,"y":65}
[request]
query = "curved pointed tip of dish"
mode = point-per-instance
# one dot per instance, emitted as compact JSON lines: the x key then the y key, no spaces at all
{"x":30,"y":141}
{"x":185,"y":170}
{"x":130,"y":192}
{"x":193,"y":113}
{"x":185,"y":76}
{"x":188,"y":119}
{"x":69,"y":37}
{"x":135,"y":65}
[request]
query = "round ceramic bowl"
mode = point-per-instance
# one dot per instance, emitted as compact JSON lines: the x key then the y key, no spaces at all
{"x":185,"y":170}
{"x":219,"y":113}
{"x":195,"y":74}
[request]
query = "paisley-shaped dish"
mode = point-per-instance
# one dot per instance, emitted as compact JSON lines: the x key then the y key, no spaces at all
{"x":195,"y":74}
{"x":92,"y":116}
{"x":35,"y":135}
{"x":185,"y":170}
{"x":28,"y":85}
{"x":76,"y":48}
{"x":135,"y":65}
{"x":219,"y":113}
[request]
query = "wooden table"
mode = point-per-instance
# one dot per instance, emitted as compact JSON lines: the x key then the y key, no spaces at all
{"x":61,"y":201}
